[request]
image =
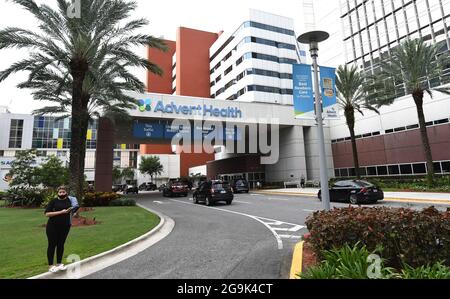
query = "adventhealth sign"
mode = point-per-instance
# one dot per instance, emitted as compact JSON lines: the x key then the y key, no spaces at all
{"x":205,"y":110}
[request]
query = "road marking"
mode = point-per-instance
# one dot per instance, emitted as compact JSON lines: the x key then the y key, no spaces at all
{"x":297,"y":261}
{"x":244,"y":202}
{"x":310,"y":211}
{"x":292,"y":229}
{"x":158,"y":202}
{"x":267,"y":222}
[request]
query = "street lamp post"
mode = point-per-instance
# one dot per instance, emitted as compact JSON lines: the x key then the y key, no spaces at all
{"x":313,"y":39}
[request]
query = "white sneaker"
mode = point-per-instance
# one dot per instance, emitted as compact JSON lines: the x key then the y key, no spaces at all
{"x":62,"y":267}
{"x":53,"y":269}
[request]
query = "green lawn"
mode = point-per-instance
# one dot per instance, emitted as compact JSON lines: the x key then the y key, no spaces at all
{"x":23,"y":242}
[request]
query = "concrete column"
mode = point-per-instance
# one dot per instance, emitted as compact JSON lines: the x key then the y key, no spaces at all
{"x":104,"y":156}
{"x":292,"y":163}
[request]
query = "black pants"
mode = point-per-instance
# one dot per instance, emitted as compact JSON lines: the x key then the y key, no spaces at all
{"x":56,"y":235}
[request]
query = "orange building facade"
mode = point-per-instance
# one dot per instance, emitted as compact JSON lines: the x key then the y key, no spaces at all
{"x":192,"y":78}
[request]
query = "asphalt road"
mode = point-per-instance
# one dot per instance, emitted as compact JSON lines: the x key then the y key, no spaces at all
{"x":251,"y":239}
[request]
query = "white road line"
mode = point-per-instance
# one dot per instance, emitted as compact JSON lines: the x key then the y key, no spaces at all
{"x":244,"y":202}
{"x":257,"y":218}
{"x":281,"y":199}
{"x":292,"y":229}
{"x":312,"y":211}
{"x":158,"y":202}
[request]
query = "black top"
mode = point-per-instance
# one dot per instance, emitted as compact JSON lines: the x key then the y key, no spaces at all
{"x":57,"y":205}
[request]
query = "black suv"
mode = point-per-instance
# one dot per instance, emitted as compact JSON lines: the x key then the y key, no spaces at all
{"x":211,"y":192}
{"x":240,"y":185}
{"x":148,"y":187}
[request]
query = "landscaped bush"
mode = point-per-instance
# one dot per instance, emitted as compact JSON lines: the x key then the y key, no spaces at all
{"x":48,"y":197}
{"x":434,"y":271}
{"x":25,"y":197}
{"x":123,"y":202}
{"x":357,"y":263}
{"x":347,"y":262}
{"x":99,"y":199}
{"x":408,"y":237}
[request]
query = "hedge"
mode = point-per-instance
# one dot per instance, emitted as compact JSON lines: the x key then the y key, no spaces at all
{"x":413,"y":237}
{"x":99,"y":199}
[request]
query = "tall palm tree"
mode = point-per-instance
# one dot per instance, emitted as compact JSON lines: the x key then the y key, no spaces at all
{"x":81,"y":63}
{"x":352,"y":98}
{"x":412,"y":65}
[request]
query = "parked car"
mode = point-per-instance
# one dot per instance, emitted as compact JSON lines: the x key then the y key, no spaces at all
{"x":175,"y":189}
{"x":240,"y":185}
{"x":355,"y":192}
{"x":211,"y":192}
{"x":130,"y":189}
{"x":148,"y":187}
{"x":161,"y":187}
{"x":117,"y":188}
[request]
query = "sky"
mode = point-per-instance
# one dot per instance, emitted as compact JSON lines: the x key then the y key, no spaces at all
{"x":164,"y":17}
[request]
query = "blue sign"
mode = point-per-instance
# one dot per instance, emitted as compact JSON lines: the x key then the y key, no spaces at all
{"x":303,"y":89}
{"x":148,"y":130}
{"x":328,"y":83}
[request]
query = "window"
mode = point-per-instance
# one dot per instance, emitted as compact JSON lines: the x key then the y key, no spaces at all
{"x":2,"y":153}
{"x":16,"y":133}
{"x":382,"y":170}
{"x":344,"y":172}
{"x":337,"y":173}
{"x":351,"y":172}
{"x":393,"y":170}
{"x":419,"y":168}
{"x":228,"y":70}
{"x":437,"y":167}
{"x":445,"y":167}
{"x":406,"y":169}
{"x":371,"y":171}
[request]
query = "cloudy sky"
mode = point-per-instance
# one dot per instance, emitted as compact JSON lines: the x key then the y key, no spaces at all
{"x":165,"y":17}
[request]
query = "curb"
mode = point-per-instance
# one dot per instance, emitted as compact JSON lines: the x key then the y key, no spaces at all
{"x":120,"y":253}
{"x":297,"y":261}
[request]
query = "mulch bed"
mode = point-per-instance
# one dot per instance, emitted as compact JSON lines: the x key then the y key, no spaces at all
{"x":80,"y":221}
{"x":309,"y":257}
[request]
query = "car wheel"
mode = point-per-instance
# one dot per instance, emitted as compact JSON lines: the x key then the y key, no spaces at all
{"x":195,"y":200}
{"x":207,"y":201}
{"x":353,"y":199}
{"x":229,"y":202}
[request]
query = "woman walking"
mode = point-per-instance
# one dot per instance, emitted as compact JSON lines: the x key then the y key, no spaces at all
{"x":58,"y":226}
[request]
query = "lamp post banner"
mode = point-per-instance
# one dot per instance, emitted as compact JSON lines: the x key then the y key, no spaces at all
{"x":328,"y":84}
{"x":303,"y":91}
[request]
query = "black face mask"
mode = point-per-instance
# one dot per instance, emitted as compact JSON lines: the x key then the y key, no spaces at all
{"x":62,"y":197}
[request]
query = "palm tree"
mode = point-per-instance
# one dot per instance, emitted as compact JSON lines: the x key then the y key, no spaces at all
{"x":81,"y":64}
{"x":352,"y":98}
{"x":151,"y":165}
{"x":412,"y":65}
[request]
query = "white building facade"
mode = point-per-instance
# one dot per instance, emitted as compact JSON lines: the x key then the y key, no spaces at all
{"x":254,"y":63}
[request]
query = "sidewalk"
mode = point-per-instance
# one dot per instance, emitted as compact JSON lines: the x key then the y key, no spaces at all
{"x":422,"y":197}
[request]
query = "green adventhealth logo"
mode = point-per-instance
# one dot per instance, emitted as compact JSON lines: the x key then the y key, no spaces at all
{"x":145,"y":105}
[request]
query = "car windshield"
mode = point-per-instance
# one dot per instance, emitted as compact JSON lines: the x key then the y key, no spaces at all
{"x":364,"y":184}
{"x":241,"y":183}
{"x":221,"y":185}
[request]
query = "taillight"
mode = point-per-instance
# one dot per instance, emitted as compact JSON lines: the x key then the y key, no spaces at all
{"x":212,"y":190}
{"x":363,"y":190}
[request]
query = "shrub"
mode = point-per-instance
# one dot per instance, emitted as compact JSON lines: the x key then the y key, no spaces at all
{"x":126,"y":202}
{"x":49,"y":196}
{"x":408,"y":237}
{"x":434,"y":271}
{"x":25,"y":197}
{"x":99,"y":199}
{"x":347,"y":262}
